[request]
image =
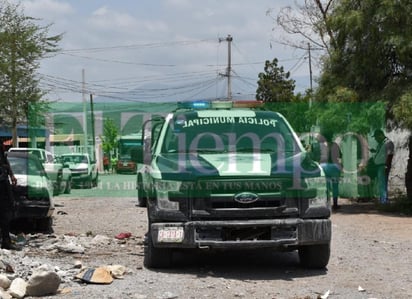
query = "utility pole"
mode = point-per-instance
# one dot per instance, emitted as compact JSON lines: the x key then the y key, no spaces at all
{"x":93,"y":133}
{"x":310,"y":75}
{"x":229,"y":40}
{"x":84,"y":110}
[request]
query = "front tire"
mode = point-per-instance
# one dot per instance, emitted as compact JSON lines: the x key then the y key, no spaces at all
{"x":314,"y":256}
{"x":96,"y":180}
{"x":141,"y":197}
{"x":156,"y":257}
{"x":45,"y":225}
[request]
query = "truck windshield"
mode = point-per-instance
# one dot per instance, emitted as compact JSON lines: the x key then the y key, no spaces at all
{"x":259,"y":132}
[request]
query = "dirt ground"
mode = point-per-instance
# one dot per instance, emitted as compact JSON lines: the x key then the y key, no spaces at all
{"x":371,"y":258}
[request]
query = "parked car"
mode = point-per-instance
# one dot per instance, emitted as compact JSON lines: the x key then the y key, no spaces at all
{"x":33,"y":192}
{"x":59,"y":176}
{"x":83,"y":169}
{"x":126,"y":165}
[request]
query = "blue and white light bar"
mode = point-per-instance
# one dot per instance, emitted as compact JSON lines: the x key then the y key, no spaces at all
{"x":198,"y":105}
{"x":194,"y":105}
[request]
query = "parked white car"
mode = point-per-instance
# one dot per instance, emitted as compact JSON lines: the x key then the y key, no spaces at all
{"x":59,"y":176}
{"x":83,"y":168}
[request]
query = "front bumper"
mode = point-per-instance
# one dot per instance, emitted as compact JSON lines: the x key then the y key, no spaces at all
{"x":274,"y":233}
{"x":126,"y":168}
{"x":80,"y":177}
{"x":33,"y":209}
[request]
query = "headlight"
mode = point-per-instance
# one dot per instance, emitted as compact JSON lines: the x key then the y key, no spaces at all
{"x":165,"y":190}
{"x":320,"y":194}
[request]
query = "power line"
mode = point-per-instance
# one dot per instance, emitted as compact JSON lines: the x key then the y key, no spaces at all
{"x":137,"y":46}
{"x":119,"y":61}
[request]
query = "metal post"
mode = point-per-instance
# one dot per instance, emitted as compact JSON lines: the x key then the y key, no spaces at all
{"x":93,"y":133}
{"x":84,"y":110}
{"x":229,"y":67}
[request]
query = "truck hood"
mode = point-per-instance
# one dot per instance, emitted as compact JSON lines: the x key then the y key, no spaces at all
{"x":190,"y":166}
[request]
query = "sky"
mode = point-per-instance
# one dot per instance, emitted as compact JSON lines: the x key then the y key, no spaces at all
{"x":162,"y":50}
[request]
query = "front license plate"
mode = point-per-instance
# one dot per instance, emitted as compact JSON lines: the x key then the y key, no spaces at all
{"x":124,"y":164}
{"x":170,"y":234}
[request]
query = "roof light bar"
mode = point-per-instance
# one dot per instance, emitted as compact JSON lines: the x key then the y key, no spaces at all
{"x":248,"y":104}
{"x":194,"y":105}
{"x":220,"y":104}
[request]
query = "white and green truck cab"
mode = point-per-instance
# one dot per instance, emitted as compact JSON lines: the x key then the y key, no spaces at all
{"x":230,"y":175}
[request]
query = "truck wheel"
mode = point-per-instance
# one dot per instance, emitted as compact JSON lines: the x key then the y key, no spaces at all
{"x":156,"y":257}
{"x":89,"y":182}
{"x":45,"y":225}
{"x":95,"y":181}
{"x":141,"y":198}
{"x":314,"y":256}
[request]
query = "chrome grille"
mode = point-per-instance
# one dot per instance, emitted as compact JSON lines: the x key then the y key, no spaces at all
{"x":220,"y":194}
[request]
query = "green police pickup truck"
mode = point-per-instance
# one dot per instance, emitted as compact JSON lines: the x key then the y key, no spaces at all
{"x":230,"y":175}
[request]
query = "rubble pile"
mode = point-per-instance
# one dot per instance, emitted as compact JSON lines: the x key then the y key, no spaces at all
{"x":25,"y":273}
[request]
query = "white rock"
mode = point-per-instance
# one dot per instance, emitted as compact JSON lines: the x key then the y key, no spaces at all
{"x":169,"y":295}
{"x":117,"y":271}
{"x":78,"y":264}
{"x":4,"y":294}
{"x":43,"y":283}
{"x":70,"y":248}
{"x":18,"y":288}
{"x":100,"y":239}
{"x":4,"y":282}
{"x":43,"y":267}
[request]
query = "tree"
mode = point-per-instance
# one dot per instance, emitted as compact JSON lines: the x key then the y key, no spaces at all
{"x":373,"y":57}
{"x":369,"y":46}
{"x":23,"y":44}
{"x":309,"y":22}
{"x":109,"y":138}
{"x":372,"y":50}
{"x":403,"y":113}
{"x":274,"y":84}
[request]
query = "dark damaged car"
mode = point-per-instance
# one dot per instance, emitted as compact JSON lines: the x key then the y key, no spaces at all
{"x":222,"y":175}
{"x":33,"y":192}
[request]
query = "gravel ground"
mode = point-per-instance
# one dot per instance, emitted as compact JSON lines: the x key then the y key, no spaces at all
{"x":371,"y":258}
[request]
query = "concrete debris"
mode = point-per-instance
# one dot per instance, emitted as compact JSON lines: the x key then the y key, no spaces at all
{"x":5,"y":266}
{"x":117,"y":271}
{"x":168,"y":295}
{"x":4,"y":294}
{"x":5,"y":282}
{"x":70,"y":247}
{"x":101,"y":240}
{"x":326,"y":295}
{"x":43,"y":283}
{"x":78,"y":264}
{"x":22,"y":273}
{"x":18,"y":288}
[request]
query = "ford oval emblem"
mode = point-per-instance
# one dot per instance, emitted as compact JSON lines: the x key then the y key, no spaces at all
{"x":246,"y":197}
